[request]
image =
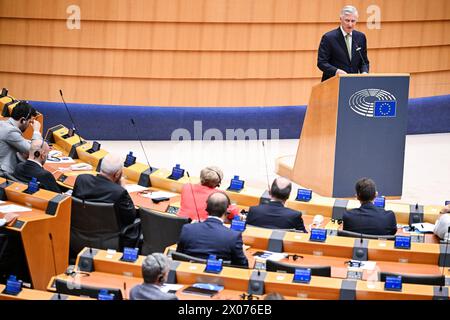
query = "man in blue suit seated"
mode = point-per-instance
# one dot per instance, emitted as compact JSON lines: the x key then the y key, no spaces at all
{"x":275,"y":215}
{"x":343,"y":50}
{"x":211,"y":236}
{"x":368,"y":218}
{"x":155,"y":269}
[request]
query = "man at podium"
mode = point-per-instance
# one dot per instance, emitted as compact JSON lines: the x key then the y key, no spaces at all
{"x":343,"y":50}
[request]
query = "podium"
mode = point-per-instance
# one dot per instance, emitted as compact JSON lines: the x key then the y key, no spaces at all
{"x":355,"y":126}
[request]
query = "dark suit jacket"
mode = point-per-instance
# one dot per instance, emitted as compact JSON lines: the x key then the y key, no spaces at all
{"x":26,"y":170}
{"x":275,"y":216}
{"x":212,"y":237}
{"x":101,"y":189}
{"x":370,"y":219}
{"x":333,"y":54}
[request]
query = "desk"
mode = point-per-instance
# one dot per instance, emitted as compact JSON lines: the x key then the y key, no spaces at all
{"x":30,"y":294}
{"x":50,"y":214}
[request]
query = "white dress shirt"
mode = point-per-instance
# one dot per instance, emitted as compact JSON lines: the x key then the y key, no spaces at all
{"x":441,"y":226}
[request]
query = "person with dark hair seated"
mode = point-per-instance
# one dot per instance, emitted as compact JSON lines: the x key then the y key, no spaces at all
{"x":34,"y":167}
{"x":155,"y":269}
{"x":12,"y":142}
{"x":368,"y":218}
{"x":211,"y":237}
{"x":275,"y":215}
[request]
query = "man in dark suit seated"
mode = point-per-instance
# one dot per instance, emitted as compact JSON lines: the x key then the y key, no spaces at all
{"x":275,"y":215}
{"x":211,"y":236}
{"x":155,"y":269}
{"x":368,"y":218}
{"x":34,"y":167}
{"x":343,"y":50}
{"x":107,"y":187}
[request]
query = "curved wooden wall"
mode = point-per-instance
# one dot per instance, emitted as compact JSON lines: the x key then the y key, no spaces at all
{"x":207,"y":52}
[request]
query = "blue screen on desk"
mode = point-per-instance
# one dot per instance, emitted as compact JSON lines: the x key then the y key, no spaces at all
{"x":130,"y":254}
{"x":238,"y":224}
{"x":213,"y":266}
{"x":379,"y":202}
{"x":447,"y":202}
{"x":302,"y":275}
{"x":130,"y":160}
{"x":402,"y":242}
{"x":318,"y":235}
{"x":177,"y":172}
{"x":104,"y":295}
{"x":13,"y":286}
{"x":393,"y":283}
{"x":304,"y":195}
{"x":33,"y":185}
{"x":236,"y":184}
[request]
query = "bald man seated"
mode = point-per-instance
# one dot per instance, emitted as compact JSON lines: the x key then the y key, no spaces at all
{"x":211,"y":236}
{"x":275,"y":215}
{"x":34,"y":167}
{"x":106,"y":187}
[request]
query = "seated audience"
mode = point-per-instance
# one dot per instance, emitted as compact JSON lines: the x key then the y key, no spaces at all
{"x":34,"y":167}
{"x":275,"y":215}
{"x":155,"y":269}
{"x":443,"y":224}
{"x":211,"y":236}
{"x":368,"y":218}
{"x":107,"y":187}
{"x":12,"y":143}
{"x":193,"y":196}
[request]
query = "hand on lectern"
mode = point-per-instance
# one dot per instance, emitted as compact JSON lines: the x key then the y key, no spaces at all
{"x":339,"y":71}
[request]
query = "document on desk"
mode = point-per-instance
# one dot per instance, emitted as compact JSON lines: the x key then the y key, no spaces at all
{"x":274,"y":256}
{"x":171,"y":287}
{"x":424,"y":227}
{"x":9,"y":208}
{"x":159,"y":194}
{"x":61,"y":160}
{"x":135,"y":188}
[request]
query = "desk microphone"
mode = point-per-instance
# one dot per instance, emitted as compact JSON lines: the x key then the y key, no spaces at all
{"x":70,"y":115}
{"x":124,"y":289}
{"x":295,"y":257}
{"x":445,"y":256}
{"x":140,"y":141}
{"x":53,"y":254}
{"x":265,"y":161}
{"x":358,"y":49}
{"x":193,"y":197}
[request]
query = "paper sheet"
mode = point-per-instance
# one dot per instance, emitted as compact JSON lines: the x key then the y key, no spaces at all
{"x":167,"y":287}
{"x":274,"y":256}
{"x":134,"y":188}
{"x":159,"y":194}
{"x":424,"y":227}
{"x":13,"y":208}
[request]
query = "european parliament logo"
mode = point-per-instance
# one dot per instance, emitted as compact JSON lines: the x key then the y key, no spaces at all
{"x":374,"y":103}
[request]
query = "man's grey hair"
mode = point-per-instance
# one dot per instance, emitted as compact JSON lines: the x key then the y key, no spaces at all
{"x":349,"y":10}
{"x":111,"y":164}
{"x":154,"y":266}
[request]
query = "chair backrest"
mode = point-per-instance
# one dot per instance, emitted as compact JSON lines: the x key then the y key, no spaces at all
{"x":323,"y":271}
{"x":185,"y":257}
{"x":64,"y":287}
{"x":160,"y":230}
{"x":434,"y":280}
{"x":94,"y":225}
{"x":351,"y":234}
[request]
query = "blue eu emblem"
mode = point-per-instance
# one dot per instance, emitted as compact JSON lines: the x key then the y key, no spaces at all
{"x":385,"y":109}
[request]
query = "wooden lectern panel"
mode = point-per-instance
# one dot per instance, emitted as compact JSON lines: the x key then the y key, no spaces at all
{"x":316,"y":150}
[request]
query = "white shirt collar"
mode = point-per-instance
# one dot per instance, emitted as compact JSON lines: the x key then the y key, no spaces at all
{"x":217,"y":218}
{"x":35,"y":161}
{"x":345,"y":33}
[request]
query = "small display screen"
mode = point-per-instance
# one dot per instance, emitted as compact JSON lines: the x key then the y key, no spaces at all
{"x":104,"y":295}
{"x":95,"y":146}
{"x":130,"y":254}
{"x":13,"y":286}
{"x":33,"y":186}
{"x":177,"y":173}
{"x":213,"y":265}
{"x":302,"y":275}
{"x":238,"y":224}
{"x":318,"y":235}
{"x":172,"y":210}
{"x":447,"y":202}
{"x":304,"y":195}
{"x":402,"y":242}
{"x":236,"y":184}
{"x":130,"y":160}
{"x":379,"y":202}
{"x":393,"y":283}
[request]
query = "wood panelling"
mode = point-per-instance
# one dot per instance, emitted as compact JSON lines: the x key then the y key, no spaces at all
{"x":211,"y":36}
{"x":207,"y":52}
{"x":229,"y":11}
{"x":161,"y":92}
